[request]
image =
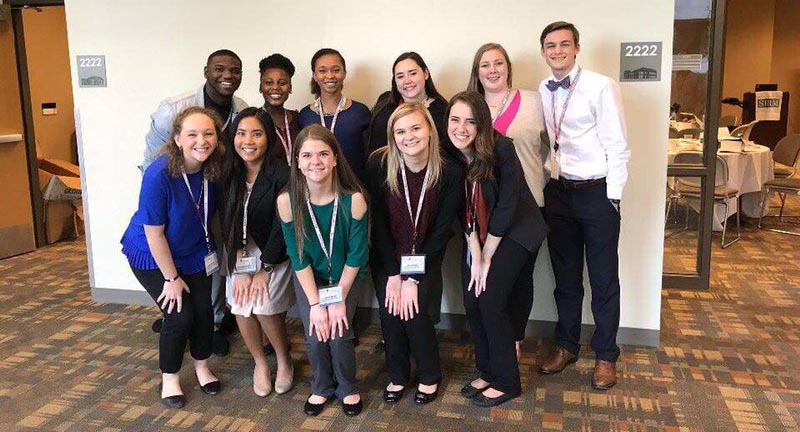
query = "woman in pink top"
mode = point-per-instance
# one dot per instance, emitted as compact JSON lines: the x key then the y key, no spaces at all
{"x":517,"y":114}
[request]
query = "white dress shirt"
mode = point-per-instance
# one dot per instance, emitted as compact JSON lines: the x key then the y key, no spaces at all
{"x":593,"y":141}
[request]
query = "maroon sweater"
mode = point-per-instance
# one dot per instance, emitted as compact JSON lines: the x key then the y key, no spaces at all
{"x":400,"y":222}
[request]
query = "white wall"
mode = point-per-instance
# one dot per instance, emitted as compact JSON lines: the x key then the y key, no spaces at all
{"x":156,"y":49}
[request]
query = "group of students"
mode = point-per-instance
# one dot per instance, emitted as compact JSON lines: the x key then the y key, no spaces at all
{"x":310,"y":200}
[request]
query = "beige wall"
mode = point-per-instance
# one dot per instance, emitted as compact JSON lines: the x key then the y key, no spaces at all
{"x":762,"y":45}
{"x":786,"y":56}
{"x":48,"y":68}
{"x":156,"y":49}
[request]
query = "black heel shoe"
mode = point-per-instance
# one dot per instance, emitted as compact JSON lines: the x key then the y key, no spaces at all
{"x":312,"y":409}
{"x":392,"y":397}
{"x":486,"y":402}
{"x":421,"y":398}
{"x":173,"y":402}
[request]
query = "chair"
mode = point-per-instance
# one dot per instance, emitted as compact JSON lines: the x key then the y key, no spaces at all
{"x":785,"y":156}
{"x":784,"y":187}
{"x":690,"y":188}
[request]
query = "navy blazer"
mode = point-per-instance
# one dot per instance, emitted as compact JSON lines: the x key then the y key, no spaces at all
{"x":514,"y":213}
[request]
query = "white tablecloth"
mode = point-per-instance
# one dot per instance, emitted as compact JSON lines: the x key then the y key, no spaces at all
{"x":747,"y":172}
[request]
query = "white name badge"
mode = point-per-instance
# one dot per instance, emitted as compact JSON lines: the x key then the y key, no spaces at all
{"x":330,"y":295}
{"x":412,"y":264}
{"x":247,"y":265}
{"x":212,"y":265}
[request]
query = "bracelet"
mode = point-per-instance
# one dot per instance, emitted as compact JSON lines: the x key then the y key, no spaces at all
{"x":312,"y":305}
{"x":173,"y":279}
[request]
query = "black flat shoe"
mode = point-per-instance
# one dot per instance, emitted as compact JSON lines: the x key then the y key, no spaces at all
{"x":172,"y":402}
{"x":391,"y":397}
{"x":421,"y":398}
{"x":486,"y":402}
{"x":352,"y":410}
{"x":211,"y":388}
{"x":469,"y":392}
{"x":312,"y":409}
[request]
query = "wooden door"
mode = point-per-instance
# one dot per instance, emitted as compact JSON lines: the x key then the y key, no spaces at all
{"x":16,"y":213}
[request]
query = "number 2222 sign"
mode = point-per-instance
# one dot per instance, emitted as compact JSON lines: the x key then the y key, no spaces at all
{"x":91,"y":70}
{"x":640,"y":61}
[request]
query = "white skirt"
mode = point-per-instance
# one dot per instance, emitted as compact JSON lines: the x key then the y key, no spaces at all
{"x":281,"y":294}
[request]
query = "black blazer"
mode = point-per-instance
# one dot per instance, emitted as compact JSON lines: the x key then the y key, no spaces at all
{"x":450,"y":197}
{"x":514,"y":212}
{"x":263,"y":222}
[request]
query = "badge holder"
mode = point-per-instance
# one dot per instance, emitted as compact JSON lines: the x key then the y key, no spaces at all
{"x":413,"y":264}
{"x":246,"y":265}
{"x":330,"y":295}
{"x":212,"y":265}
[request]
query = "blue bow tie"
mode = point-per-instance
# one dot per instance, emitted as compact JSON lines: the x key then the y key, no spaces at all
{"x":554,"y":85}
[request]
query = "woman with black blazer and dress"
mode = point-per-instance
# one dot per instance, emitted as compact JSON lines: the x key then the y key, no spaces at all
{"x":259,"y":288}
{"x":417,"y":196}
{"x":503,"y":229}
{"x":411,"y":82}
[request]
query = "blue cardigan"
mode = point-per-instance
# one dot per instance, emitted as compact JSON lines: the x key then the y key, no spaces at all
{"x":164,"y":200}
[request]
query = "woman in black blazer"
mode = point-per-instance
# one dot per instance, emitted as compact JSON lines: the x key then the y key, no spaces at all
{"x":503,"y":231}
{"x":416,"y":198}
{"x":259,"y":283}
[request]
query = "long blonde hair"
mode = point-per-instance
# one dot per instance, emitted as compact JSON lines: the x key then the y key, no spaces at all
{"x":344,"y":181}
{"x":391,"y":155}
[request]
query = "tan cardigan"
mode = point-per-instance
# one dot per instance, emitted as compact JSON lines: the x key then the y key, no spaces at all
{"x":531,"y":141}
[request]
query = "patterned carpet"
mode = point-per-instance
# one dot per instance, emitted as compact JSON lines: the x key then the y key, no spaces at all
{"x":727,"y":362}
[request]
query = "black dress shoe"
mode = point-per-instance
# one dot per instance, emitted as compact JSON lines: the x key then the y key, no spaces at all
{"x":391,"y":397}
{"x":352,"y":410}
{"x":312,"y":409}
{"x":173,"y":402}
{"x":380,"y":346}
{"x":469,"y":392}
{"x":211,"y":388}
{"x":421,"y":398}
{"x":157,"y":325}
{"x":486,"y":402}
{"x":219,"y":344}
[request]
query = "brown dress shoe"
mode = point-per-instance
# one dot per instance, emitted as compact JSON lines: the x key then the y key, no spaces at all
{"x":605,"y":375}
{"x":557,"y":361}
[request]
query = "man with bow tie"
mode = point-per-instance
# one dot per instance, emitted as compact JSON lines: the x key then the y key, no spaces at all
{"x":588,"y":170}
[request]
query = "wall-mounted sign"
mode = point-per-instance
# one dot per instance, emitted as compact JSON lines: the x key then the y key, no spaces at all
{"x":91,"y":71}
{"x":640,"y":61}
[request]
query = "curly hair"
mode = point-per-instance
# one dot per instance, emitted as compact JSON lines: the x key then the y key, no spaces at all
{"x":212,"y":167}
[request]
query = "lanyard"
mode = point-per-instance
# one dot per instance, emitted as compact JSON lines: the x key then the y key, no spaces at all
{"x":472,"y":205}
{"x":244,"y":220}
{"x":502,"y":106}
{"x":287,"y":143}
{"x":557,"y":124}
{"x":329,"y":250}
{"x":335,"y":114}
{"x":414,"y":218}
{"x":204,"y":197}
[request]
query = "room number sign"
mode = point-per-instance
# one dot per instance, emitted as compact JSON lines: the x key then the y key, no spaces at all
{"x":91,"y":70}
{"x":640,"y":61}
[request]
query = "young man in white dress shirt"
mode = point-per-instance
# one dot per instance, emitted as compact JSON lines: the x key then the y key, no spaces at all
{"x":588,"y":170}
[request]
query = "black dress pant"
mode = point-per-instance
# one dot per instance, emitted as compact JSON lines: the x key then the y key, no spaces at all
{"x":490,"y":315}
{"x":415,"y":337}
{"x":521,"y":302}
{"x":584,"y":220}
{"x":193,"y":324}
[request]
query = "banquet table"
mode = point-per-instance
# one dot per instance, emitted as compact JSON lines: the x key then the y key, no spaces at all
{"x":749,"y":167}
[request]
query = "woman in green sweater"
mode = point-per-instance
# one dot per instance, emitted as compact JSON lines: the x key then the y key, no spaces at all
{"x":323,"y":211}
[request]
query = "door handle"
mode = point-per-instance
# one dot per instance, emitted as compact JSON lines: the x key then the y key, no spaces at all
{"x":10,"y":138}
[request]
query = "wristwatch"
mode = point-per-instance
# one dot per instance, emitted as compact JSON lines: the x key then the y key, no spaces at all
{"x":269,"y":268}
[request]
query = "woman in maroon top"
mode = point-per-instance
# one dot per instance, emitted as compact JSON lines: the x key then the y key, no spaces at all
{"x":416,"y":197}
